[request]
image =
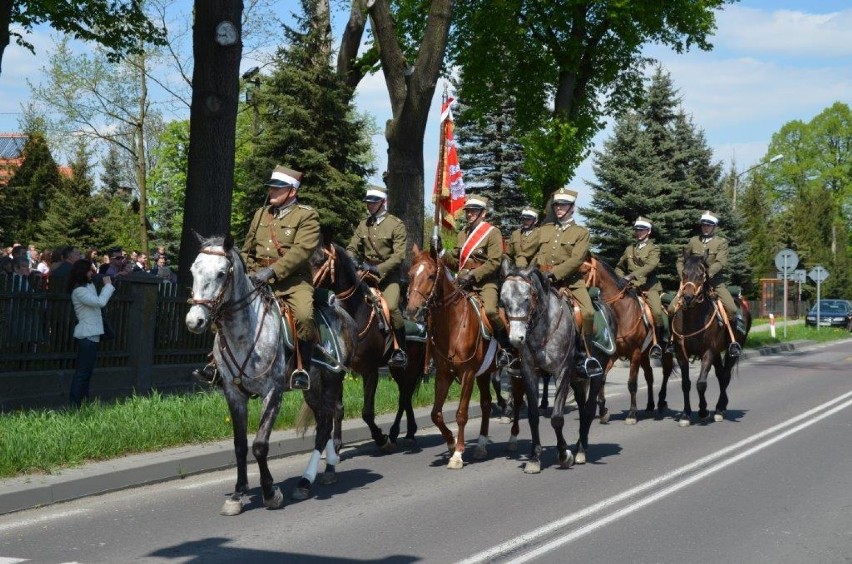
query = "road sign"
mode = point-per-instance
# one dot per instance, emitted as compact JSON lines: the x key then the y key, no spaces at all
{"x":799,"y":275}
{"x":818,"y":273}
{"x":786,"y":260}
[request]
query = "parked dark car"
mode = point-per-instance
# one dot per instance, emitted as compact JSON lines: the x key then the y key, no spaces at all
{"x":832,"y":313}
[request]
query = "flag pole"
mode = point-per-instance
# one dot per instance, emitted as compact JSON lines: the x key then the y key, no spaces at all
{"x":440,"y":175}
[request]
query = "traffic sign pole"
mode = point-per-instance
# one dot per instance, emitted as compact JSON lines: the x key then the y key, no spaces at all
{"x":785,"y":295}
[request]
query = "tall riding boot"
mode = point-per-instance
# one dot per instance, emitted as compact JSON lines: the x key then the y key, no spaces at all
{"x":399,"y":359}
{"x":300,"y":379}
{"x":504,"y":356}
{"x":657,"y":349}
{"x":208,"y":375}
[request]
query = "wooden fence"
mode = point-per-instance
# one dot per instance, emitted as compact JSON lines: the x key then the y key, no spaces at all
{"x":152,"y":348}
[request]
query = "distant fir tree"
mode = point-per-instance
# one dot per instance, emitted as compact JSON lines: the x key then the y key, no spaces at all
{"x":30,"y":190}
{"x":113,"y":177}
{"x":167,"y":185}
{"x":756,"y":211}
{"x":492,"y":160}
{"x":309,"y":123}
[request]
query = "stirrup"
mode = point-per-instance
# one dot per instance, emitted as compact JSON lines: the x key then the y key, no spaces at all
{"x":656,"y":351}
{"x":503,"y":358}
{"x":300,"y":380}
{"x":513,"y":369}
{"x":209,"y":375}
{"x":592,"y":367}
{"x":734,"y":350}
{"x":398,"y":359}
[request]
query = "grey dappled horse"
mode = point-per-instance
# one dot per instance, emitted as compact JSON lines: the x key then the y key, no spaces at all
{"x":543,"y":330}
{"x":251,"y":356}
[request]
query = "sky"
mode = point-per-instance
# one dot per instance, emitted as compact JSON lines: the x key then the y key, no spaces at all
{"x":773,"y":61}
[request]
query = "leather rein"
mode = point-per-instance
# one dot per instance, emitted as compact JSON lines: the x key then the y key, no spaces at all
{"x":328,"y":272}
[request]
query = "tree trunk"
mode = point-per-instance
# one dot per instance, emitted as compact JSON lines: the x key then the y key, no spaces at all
{"x":142,"y":156}
{"x":404,"y":180}
{"x":5,"y":22}
{"x":212,"y":129}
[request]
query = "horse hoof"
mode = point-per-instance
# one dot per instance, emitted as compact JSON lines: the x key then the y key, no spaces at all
{"x":231,"y":507}
{"x":630,"y":421}
{"x":327,"y":478}
{"x":604,"y":418}
{"x":719,"y":416}
{"x":532,"y":467}
{"x":566,"y":461}
{"x":389,"y":446}
{"x":512,"y":446}
{"x":481,"y":453}
{"x":580,"y":458}
{"x":276,"y":501}
{"x":301,"y":494}
{"x":456,"y":462}
{"x":505,"y":419}
{"x":684,"y":422}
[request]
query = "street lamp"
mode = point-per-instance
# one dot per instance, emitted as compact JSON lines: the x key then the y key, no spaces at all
{"x":776,"y":158}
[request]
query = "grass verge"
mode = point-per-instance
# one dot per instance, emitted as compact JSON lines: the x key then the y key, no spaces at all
{"x":796,"y":333}
{"x":43,"y":441}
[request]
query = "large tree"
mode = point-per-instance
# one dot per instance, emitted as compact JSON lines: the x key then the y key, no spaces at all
{"x":121,"y":27}
{"x":568,"y":64}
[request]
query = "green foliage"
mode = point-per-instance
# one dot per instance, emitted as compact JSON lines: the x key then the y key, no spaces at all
{"x":308,"y":123}
{"x":167,"y":184}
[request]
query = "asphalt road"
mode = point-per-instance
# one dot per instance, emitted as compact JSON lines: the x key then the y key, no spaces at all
{"x":769,"y":484}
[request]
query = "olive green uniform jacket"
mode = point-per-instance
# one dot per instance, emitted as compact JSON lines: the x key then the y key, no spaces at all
{"x":381,"y":242}
{"x":284,"y":239}
{"x":562,"y":250}
{"x":641,"y":260}
{"x":716,"y":249}
{"x":483,"y":263}
{"x":522,"y":246}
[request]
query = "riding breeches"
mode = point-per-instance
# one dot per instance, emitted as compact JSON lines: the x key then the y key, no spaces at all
{"x":390,"y":291}
{"x":656,"y":305}
{"x":727,"y":300}
{"x":489,"y":296}
{"x":300,"y":299}
{"x":581,"y":294}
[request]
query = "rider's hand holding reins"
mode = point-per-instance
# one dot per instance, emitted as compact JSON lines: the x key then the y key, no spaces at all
{"x":263,"y":276}
{"x":371,"y":268}
{"x":465,"y":281}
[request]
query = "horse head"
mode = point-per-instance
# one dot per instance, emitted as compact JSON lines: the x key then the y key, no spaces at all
{"x":521,"y":294}
{"x":422,"y":283}
{"x":693,"y":280}
{"x":218,"y":276}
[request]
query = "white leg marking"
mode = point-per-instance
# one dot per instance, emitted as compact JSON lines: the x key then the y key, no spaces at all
{"x":331,"y":456}
{"x":311,"y":470}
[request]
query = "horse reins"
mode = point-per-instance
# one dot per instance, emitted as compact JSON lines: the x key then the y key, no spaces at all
{"x":327,"y":271}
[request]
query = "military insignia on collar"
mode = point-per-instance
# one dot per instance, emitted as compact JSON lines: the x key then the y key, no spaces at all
{"x":288,"y":232}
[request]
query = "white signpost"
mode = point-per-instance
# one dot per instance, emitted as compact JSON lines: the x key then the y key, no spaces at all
{"x":786,"y":262}
{"x":818,"y":274}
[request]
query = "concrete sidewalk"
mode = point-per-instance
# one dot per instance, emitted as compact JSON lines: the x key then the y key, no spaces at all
{"x":32,"y":491}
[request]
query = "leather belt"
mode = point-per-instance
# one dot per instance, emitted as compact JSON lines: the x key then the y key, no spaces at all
{"x":267,"y":261}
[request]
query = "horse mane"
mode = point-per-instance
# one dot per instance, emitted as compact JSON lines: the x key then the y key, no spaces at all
{"x":619,"y":282}
{"x":540,"y":282}
{"x":349,"y":267}
{"x":694,"y":267}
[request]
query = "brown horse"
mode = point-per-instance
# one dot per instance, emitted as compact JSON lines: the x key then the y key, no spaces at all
{"x":335,"y":270}
{"x":457,"y":346}
{"x":698,"y":332}
{"x":634,"y":337}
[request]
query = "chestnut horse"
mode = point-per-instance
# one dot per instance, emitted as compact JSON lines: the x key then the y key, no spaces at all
{"x":336,"y":271}
{"x":457,"y":346}
{"x":697,"y":332}
{"x":634,"y":337}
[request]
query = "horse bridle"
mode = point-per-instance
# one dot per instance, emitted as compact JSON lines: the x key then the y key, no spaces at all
{"x":215,"y":304}
{"x":528,"y":318}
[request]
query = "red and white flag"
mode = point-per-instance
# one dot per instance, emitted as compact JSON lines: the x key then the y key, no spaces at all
{"x":449,"y":185}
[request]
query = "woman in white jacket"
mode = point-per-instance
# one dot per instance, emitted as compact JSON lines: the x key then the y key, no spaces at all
{"x":90,"y":326}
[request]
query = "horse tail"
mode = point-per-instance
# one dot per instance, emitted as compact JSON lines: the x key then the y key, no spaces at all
{"x":305,"y":420}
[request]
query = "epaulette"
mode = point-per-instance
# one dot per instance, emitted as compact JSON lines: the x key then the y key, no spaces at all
{"x":304,"y":207}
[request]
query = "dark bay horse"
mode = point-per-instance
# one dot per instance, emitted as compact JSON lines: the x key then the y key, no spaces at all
{"x":543,"y":330}
{"x":253,"y":361}
{"x":633,"y":341}
{"x":457,"y":346}
{"x":697,"y":332}
{"x":336,"y":271}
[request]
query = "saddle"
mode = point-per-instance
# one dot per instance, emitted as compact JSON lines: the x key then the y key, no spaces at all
{"x":603,"y":337}
{"x":484,"y":325}
{"x":327,"y":350}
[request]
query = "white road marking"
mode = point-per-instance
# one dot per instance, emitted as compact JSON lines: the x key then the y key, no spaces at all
{"x":42,"y":519}
{"x":814,"y":416}
{"x":214,"y":481}
{"x":7,"y":560}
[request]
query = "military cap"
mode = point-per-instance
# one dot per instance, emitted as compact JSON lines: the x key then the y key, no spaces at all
{"x":642,"y":223}
{"x":529,"y":212}
{"x":709,"y":218}
{"x":283,"y":177}
{"x":375,"y":194}
{"x":564,"y":196}
{"x":476,"y":203}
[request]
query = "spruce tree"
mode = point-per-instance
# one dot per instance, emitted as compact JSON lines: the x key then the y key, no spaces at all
{"x":309,"y":124}
{"x":492,"y":160}
{"x":113,"y":175}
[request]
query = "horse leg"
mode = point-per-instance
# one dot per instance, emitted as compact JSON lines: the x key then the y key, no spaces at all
{"x":633,"y":385}
{"x":557,"y":421}
{"x":497,"y":385}
{"x":686,"y":387}
{"x":530,"y":380}
{"x":272,"y":497}
{"x":370,"y":378}
{"x":645,"y":363}
{"x":457,"y":459}
{"x":442,"y":387}
{"x":484,"y":383}
{"x":603,"y":410}
{"x":545,"y":390}
{"x":332,"y":388}
{"x":723,"y":374}
{"x":662,"y":404}
{"x":701,"y":384}
{"x":581,"y":398}
{"x":321,"y":398}
{"x":587,"y":415}
{"x":237,"y":405}
{"x":518,"y":392}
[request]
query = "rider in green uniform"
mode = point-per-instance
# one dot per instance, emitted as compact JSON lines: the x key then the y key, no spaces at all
{"x":523,"y":242}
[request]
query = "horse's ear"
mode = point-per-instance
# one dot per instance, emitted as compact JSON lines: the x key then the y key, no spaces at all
{"x":229,"y":243}
{"x":198,"y":236}
{"x":506,"y":266}
{"x":415,"y":249}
